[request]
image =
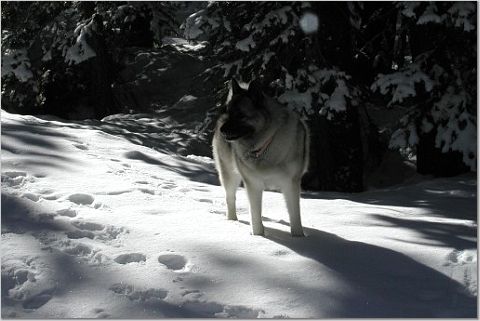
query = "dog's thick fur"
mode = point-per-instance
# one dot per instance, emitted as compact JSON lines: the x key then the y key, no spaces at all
{"x":262,"y":143}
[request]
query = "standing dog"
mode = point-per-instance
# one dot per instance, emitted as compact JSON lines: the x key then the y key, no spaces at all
{"x":260,"y":142}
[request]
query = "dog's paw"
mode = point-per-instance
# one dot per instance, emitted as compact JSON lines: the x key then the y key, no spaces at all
{"x":258,"y":232}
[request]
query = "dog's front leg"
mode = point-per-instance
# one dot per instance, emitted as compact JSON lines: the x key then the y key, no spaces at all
{"x":231,"y":182}
{"x":254,"y":192}
{"x":291,"y":193}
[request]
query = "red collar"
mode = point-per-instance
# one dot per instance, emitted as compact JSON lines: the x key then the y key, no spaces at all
{"x":262,"y":148}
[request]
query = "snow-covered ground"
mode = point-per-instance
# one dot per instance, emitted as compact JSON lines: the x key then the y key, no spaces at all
{"x":96,"y":225}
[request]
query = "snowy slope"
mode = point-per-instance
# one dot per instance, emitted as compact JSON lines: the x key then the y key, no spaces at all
{"x":97,"y":225}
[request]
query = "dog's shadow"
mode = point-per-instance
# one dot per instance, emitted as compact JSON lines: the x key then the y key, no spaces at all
{"x":384,"y":283}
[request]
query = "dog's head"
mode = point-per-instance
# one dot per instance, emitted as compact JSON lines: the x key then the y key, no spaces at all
{"x":246,"y":113}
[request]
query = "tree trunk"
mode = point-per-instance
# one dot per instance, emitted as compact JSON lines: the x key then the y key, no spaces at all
{"x":336,"y":158}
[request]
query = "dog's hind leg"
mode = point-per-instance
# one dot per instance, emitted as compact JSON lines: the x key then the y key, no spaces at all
{"x":291,"y":193}
{"x":254,"y":193}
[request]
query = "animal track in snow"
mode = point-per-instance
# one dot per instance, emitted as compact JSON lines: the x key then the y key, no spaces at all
{"x":220,"y":212}
{"x":67,"y":212}
{"x":88,"y":226}
{"x":38,"y":300}
{"x":192,"y":294}
{"x":76,"y":249}
{"x":464,"y":257}
{"x":205,"y":200}
{"x":280,"y":253}
{"x":80,"y":234}
{"x":95,"y":231}
{"x":118,"y":192}
{"x":216,"y":310}
{"x":81,"y":146}
{"x":464,"y":263}
{"x":81,"y":199}
{"x":15,"y":178}
{"x":31,"y":196}
{"x":146,"y":191}
{"x":173,"y":262}
{"x":138,"y":295}
{"x":48,"y":194}
{"x":28,"y":280}
{"x":100,"y":313}
{"x":130,"y":258}
{"x":168,"y":185}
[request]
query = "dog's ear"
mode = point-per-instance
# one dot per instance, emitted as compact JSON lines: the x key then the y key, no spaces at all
{"x":255,"y":92}
{"x":235,"y":87}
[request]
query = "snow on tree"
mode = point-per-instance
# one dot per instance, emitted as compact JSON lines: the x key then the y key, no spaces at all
{"x":440,"y":83}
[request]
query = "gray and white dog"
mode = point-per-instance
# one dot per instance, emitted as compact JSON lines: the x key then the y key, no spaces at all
{"x":265,"y":145}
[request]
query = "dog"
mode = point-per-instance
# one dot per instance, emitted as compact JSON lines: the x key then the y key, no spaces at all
{"x":259,"y":141}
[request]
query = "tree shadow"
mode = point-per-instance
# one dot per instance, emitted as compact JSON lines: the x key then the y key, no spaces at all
{"x":22,"y":216}
{"x":451,"y":197}
{"x":439,"y":233}
{"x":384,"y":283}
{"x":190,"y":168}
{"x":153,"y":134}
{"x":34,"y":139}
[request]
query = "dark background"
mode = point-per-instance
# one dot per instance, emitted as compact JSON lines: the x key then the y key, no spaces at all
{"x":405,"y":74}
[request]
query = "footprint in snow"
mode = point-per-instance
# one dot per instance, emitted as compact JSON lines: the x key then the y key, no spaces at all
{"x":219,"y":212}
{"x":173,"y":262}
{"x":81,"y":146}
{"x":88,"y":226}
{"x":205,"y":200}
{"x":130,"y":258}
{"x":168,"y":185}
{"x":280,"y":253}
{"x":31,"y":196}
{"x":95,"y":231}
{"x":81,"y":199}
{"x":22,"y":283}
{"x":216,"y":310}
{"x":80,"y":234}
{"x":15,"y":178}
{"x":38,"y":300}
{"x":146,"y":191}
{"x":100,"y":313}
{"x":77,"y":249}
{"x":461,"y":257}
{"x":134,"y":294}
{"x":67,"y":212}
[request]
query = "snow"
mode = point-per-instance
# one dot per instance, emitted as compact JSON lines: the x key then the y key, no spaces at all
{"x":16,"y":62}
{"x":430,"y":15}
{"x":246,"y":44}
{"x":97,"y":225}
{"x":81,"y":50}
{"x":337,"y":100}
{"x":461,"y":11}
{"x":196,"y":22}
{"x":184,"y":45}
{"x":401,"y":84}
